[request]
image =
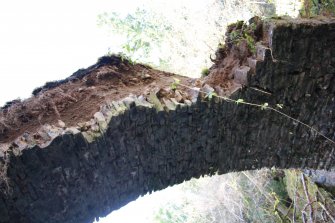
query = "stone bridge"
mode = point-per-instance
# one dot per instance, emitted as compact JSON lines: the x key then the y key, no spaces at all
{"x":140,"y":147}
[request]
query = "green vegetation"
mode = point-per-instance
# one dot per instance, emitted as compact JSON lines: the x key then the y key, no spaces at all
{"x":152,"y":37}
{"x":163,"y":34}
{"x":251,"y":196}
{"x":141,"y":30}
{"x":313,"y":8}
{"x":204,"y":72}
{"x":172,"y":214}
{"x":250,"y":42}
{"x":125,"y":57}
{"x":241,"y":32}
{"x":175,"y":84}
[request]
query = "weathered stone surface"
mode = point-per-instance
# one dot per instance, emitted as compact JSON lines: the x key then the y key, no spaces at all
{"x":241,"y":75}
{"x":83,"y":175}
{"x":155,"y":101}
{"x":61,"y":124}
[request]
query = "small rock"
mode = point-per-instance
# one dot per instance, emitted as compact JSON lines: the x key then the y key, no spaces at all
{"x":178,"y":96}
{"x":241,"y":75}
{"x":142,"y":102}
{"x":95,"y":128}
{"x":208,"y":89}
{"x":188,"y":102}
{"x":219,"y":90}
{"x":163,"y":92}
{"x":25,"y":136}
{"x":141,"y":98}
{"x":170,"y":105}
{"x":261,"y":52}
{"x":82,"y":126}
{"x":89,"y":123}
{"x":252,"y":64}
{"x":194,"y":93}
{"x":101,"y":120}
{"x":198,"y":83}
{"x":72,"y":130}
{"x":51,"y":130}
{"x":99,"y":117}
{"x":155,"y":101}
{"x":61,"y":124}
{"x":44,"y":136}
{"x":174,"y":101}
{"x":146,"y":76}
{"x":128,"y":101}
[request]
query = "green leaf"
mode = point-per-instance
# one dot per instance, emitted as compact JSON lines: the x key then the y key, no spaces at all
{"x":210,"y":95}
{"x":280,"y":106}
{"x":264,"y":106}
{"x":177,"y":81}
{"x":175,"y":84}
{"x":239,"y":101}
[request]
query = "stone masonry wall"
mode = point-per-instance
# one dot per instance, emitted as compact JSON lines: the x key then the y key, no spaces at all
{"x":137,"y":147}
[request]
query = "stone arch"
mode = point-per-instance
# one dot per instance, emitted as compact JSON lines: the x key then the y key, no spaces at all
{"x":139,"y":147}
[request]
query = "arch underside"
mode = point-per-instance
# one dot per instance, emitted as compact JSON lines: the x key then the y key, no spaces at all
{"x":77,"y":177}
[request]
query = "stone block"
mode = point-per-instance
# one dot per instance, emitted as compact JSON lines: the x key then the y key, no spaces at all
{"x":155,"y":101}
{"x":252,"y":64}
{"x":262,"y":52}
{"x":100,"y":120}
{"x":241,"y":75}
{"x":169,"y":104}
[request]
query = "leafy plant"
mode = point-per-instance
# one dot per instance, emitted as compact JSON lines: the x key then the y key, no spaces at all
{"x":175,"y":84}
{"x":234,"y":36}
{"x":318,"y":7}
{"x":141,"y":29}
{"x":280,"y":106}
{"x":210,"y":95}
{"x":239,"y":101}
{"x":242,"y":32}
{"x":204,"y":72}
{"x":264,"y":106}
{"x":250,"y":42}
{"x":124,"y":57}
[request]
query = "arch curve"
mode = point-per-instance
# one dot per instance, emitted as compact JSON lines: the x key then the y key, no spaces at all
{"x":139,"y":147}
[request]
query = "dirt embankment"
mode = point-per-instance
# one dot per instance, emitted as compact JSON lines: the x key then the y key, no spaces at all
{"x":78,"y":97}
{"x":74,"y":100}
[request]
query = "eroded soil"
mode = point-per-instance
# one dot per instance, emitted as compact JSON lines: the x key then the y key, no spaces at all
{"x":76,"y":99}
